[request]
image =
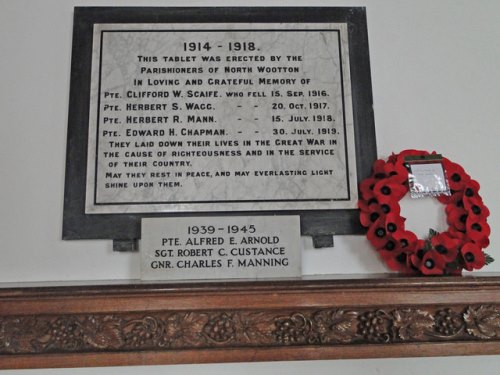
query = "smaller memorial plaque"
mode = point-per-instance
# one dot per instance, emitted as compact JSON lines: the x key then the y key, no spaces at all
{"x":246,"y":247}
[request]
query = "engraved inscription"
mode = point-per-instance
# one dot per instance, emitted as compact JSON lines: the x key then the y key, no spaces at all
{"x":220,"y":117}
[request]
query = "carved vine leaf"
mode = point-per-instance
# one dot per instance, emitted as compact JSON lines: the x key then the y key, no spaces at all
{"x":17,"y":334}
{"x":335,"y":326}
{"x":103,"y":333}
{"x":185,"y":329}
{"x":483,"y":322}
{"x":144,"y":333}
{"x":256,"y":328}
{"x":412,"y":324}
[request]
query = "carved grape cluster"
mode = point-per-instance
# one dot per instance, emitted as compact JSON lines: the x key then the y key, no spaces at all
{"x":374,"y":326}
{"x":221,"y":328}
{"x":66,"y":334}
{"x":291,"y":330}
{"x":448,"y":322}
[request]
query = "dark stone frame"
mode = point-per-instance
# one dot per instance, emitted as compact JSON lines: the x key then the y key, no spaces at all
{"x":321,"y":224}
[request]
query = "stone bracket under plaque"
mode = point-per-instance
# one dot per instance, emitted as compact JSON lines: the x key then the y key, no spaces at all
{"x":126,"y":245}
{"x":322,"y":241}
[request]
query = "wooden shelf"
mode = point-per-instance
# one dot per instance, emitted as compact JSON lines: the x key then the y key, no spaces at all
{"x":137,"y":323}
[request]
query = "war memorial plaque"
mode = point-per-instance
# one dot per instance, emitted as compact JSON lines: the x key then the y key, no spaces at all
{"x":220,"y":117}
{"x":188,"y":111}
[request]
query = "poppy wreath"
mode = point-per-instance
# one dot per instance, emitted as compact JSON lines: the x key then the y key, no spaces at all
{"x":447,"y":253}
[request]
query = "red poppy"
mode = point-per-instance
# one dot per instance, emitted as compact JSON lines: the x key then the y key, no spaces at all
{"x":385,"y":188}
{"x":478,"y":231}
{"x":473,"y":256}
{"x":455,"y":174}
{"x":377,"y":234}
{"x":476,"y":208}
{"x":389,"y":257}
{"x":456,"y":199}
{"x":471,"y":190}
{"x":366,"y":188}
{"x":400,"y":241}
{"x":397,"y":261}
{"x":370,"y":215}
{"x":394,"y":223}
{"x":378,"y":169}
{"x":418,"y":254}
{"x":398,"y":250}
{"x":396,"y":173}
{"x":389,"y":206}
{"x":456,"y":217}
{"x":446,"y":245}
{"x":455,"y":233}
{"x":432,"y":263}
{"x":407,"y":240}
{"x":365,"y":205}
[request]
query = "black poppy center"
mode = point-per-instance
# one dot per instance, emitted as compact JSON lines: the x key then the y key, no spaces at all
{"x":476,"y":226}
{"x":374,"y":216}
{"x":380,"y":175}
{"x":420,"y":253}
{"x":463,"y":218}
{"x":404,"y":242}
{"x":386,"y":209}
{"x":456,"y":177}
{"x":372,"y":201}
{"x":386,"y":190}
{"x":390,"y":245}
{"x":476,"y":210}
{"x":380,"y":232}
{"x":469,"y":257}
{"x":401,"y":258}
{"x":391,"y":227}
{"x":441,"y":249}
{"x":393,"y":173}
{"x":429,"y":263}
{"x":460,"y":203}
{"x":469,"y":192}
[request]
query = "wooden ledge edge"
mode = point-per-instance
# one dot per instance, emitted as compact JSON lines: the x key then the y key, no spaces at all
{"x":285,"y":321}
{"x":206,"y":356}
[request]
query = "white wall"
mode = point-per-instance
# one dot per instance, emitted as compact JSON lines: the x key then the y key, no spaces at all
{"x":436,"y":86}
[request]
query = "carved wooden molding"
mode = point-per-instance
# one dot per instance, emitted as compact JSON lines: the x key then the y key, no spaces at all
{"x":65,"y":326}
